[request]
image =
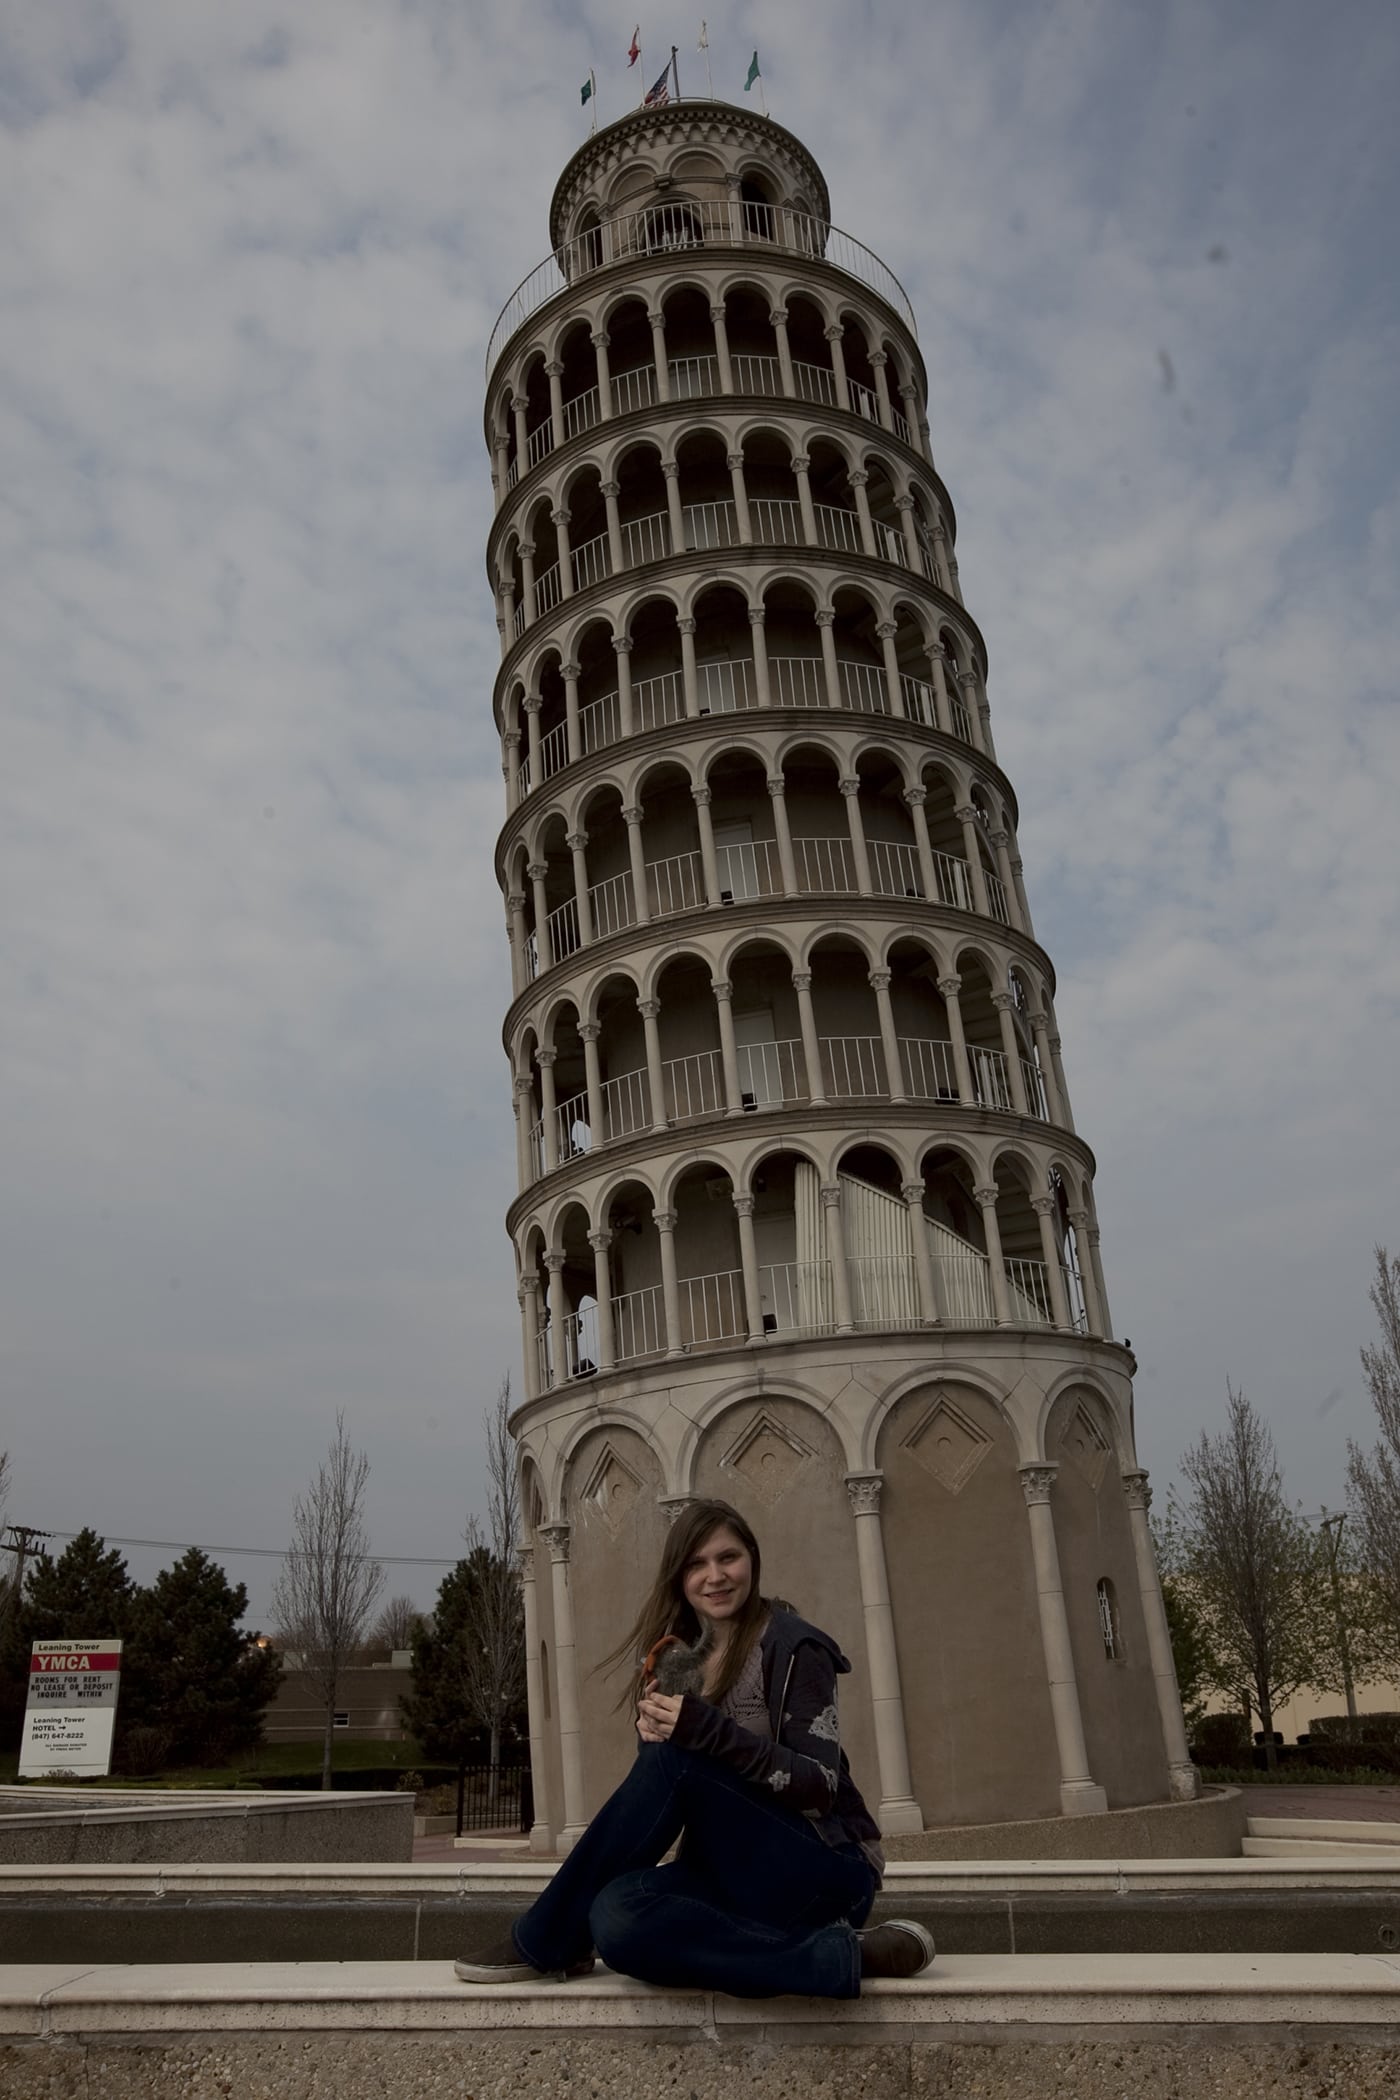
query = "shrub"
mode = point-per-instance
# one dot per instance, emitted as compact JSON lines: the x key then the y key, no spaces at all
{"x":1222,"y":1739}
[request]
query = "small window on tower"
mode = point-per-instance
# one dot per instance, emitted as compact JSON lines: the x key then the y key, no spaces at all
{"x":1109,"y":1628}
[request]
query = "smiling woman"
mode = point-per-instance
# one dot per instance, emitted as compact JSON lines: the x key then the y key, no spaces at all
{"x":741,"y":1761}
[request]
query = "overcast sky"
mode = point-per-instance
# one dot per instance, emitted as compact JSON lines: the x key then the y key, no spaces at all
{"x":256,"y":1139}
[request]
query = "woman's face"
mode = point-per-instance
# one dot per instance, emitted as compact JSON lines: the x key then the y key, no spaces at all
{"x":718,"y":1577}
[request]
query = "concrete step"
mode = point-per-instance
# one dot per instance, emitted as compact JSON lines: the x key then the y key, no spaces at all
{"x":1332,"y":1829}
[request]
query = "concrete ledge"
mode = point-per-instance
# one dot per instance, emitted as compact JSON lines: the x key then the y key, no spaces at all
{"x":1338,"y":1830}
{"x":1212,"y":1827}
{"x":68,"y":1826}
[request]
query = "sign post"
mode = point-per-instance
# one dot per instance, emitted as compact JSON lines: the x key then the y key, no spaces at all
{"x":71,"y":1711}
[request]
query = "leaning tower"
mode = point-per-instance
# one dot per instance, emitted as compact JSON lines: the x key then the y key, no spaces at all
{"x":803,"y":1217}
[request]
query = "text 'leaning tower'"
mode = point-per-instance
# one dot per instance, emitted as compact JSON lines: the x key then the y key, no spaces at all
{"x":803,"y":1220}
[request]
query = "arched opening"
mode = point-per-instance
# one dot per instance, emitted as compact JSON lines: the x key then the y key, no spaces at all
{"x":747,"y":862}
{"x":794,"y":1274}
{"x":658,"y":687}
{"x":860,"y":661}
{"x":791,"y":646}
{"x":710,"y":1278}
{"x":767,"y":1028}
{"x":631,"y":363}
{"x":599,"y":721}
{"x":539,"y":425}
{"x":675,"y":875}
{"x":821,"y":837}
{"x":578,"y":382}
{"x":838,"y":523}
{"x":957,"y":1240}
{"x":774,"y":511}
{"x":573,"y":1136}
{"x":951,"y":872}
{"x":1027,"y":1276}
{"x":986,"y":1056}
{"x":848,"y":1022}
{"x":634,"y":1268}
{"x":753,"y":356}
{"x":570,"y":1332}
{"x":876,"y":1229}
{"x":589,"y":555}
{"x":641,"y":503}
{"x":723,"y":651}
{"x":860,"y":373}
{"x":692,"y":1069}
{"x":811,"y":353}
{"x":879,"y":494}
{"x":928,"y":1067}
{"x":611,"y":903}
{"x":756,"y":205}
{"x":691,"y":365}
{"x":889,"y":827}
{"x":562,"y":936}
{"x":622,"y":1059}
{"x":708,"y":514}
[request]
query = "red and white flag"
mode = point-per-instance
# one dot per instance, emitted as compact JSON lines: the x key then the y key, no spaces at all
{"x":634,"y":49}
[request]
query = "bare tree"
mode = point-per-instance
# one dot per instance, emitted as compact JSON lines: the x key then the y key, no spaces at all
{"x":1373,"y":1477}
{"x":1253,"y":1568}
{"x":329,"y":1584}
{"x":396,"y":1625}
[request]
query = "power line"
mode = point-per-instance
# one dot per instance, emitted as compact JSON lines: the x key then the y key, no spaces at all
{"x":389,"y":1560}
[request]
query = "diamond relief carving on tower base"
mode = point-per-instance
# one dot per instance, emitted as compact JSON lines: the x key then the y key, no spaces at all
{"x":948,"y":1444}
{"x":768,"y":1457}
{"x":611,"y":1489}
{"x":1086,"y":1447}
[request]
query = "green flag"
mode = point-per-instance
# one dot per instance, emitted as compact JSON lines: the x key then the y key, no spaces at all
{"x":753,"y":73}
{"x":587,"y":92}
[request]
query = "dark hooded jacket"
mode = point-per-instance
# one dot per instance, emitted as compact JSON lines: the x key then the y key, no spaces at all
{"x":804,"y":1764}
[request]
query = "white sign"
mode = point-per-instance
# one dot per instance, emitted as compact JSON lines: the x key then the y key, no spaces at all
{"x":71,"y":1711}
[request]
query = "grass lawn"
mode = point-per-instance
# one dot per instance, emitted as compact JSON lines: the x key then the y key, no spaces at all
{"x":271,"y":1762}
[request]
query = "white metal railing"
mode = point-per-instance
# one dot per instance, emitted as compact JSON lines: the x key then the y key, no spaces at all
{"x":894,"y":868}
{"x":581,"y":1342}
{"x":512,"y":473}
{"x":572,"y":1136}
{"x":852,"y":1068}
{"x":660,"y":229}
{"x":838,"y":529}
{"x":537,"y":1147}
{"x":548,"y":590}
{"x":755,"y":374}
{"x":901,"y":427}
{"x":890,"y":542}
{"x":600,"y":723}
{"x":690,"y":377}
{"x":674,"y":884}
{"x":751,"y":869}
{"x":962,"y":1285}
{"x":776,"y":521}
{"x":538,"y":445}
{"x":725,"y":686}
{"x":989,"y":1080}
{"x":771,"y":1074}
{"x":863,"y":686}
{"x":658,"y":700}
{"x":582,"y":412}
{"x":517,"y":625}
{"x":647,"y":539}
{"x":929,"y":1071}
{"x":694,"y":1086}
{"x":554,"y":750}
{"x":927,"y":566}
{"x":639,"y":1323}
{"x":996,"y":897}
{"x":919,"y":702}
{"x":627,"y":1104}
{"x":634,"y":388}
{"x":863,"y":400}
{"x":953,"y":884}
{"x":884,"y":1290}
{"x":562,"y":924}
{"x":709,"y":525}
{"x":523,"y":774}
{"x":796,"y":681}
{"x":611,"y":905}
{"x":796,"y":1297}
{"x":824,"y":864}
{"x":815,"y":383}
{"x":962,"y":721}
{"x":532,"y":958}
{"x":592,"y":563}
{"x":542,"y":1356}
{"x":1031,"y":1303}
{"x":1035,"y":1090}
{"x":712,"y":1307}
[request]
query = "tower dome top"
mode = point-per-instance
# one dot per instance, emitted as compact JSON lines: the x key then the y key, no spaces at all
{"x":686,"y":146}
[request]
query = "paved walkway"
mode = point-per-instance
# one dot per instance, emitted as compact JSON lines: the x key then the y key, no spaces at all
{"x":1358,"y":1804}
{"x":482,"y":1848}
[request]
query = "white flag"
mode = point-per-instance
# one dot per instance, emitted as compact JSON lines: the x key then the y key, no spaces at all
{"x":704,"y":43}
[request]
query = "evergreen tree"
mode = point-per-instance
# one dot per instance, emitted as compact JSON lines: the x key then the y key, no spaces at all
{"x":447,"y":1712}
{"x":191,"y":1672}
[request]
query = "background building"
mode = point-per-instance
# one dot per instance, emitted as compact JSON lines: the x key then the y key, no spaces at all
{"x":803,"y":1216}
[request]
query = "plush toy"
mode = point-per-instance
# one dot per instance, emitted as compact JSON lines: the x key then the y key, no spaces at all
{"x":673,"y":1668}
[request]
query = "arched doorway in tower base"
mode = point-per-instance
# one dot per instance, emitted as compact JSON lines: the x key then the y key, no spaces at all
{"x":783,"y":1469}
{"x":1098,"y":1570}
{"x":617,"y":1526}
{"x":967,"y":1629}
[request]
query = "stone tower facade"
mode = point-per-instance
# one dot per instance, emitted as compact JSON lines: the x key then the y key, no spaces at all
{"x":803,"y":1217}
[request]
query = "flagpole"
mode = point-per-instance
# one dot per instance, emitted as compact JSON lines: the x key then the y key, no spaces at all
{"x":593,"y":98}
{"x":675,"y":73}
{"x":705,"y":47}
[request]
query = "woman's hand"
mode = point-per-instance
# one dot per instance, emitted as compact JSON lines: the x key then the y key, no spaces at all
{"x":657,"y":1716}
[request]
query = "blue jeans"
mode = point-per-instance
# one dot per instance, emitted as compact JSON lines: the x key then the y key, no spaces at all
{"x":757,"y":1904}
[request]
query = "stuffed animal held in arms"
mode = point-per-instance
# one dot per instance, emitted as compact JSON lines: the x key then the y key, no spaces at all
{"x":673,"y":1668}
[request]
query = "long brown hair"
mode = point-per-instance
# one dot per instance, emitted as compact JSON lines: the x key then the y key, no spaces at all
{"x":667,"y":1611}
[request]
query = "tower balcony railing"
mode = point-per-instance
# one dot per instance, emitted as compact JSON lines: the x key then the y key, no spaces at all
{"x":927,"y":1067}
{"x":712,"y":1307}
{"x":612,"y":905}
{"x":755,"y":373}
{"x":694,"y":1086}
{"x":771,"y":1075}
{"x":639,"y":1323}
{"x":686,"y":225}
{"x":853,"y":1068}
{"x":796,"y":1297}
{"x":884,"y":1290}
{"x":626,"y":1104}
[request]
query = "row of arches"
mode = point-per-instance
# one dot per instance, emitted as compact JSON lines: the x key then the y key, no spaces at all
{"x":800,"y":1241}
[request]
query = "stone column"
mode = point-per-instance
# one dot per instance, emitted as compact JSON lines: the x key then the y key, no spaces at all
{"x":879,"y":981}
{"x":838,"y":365}
{"x":533,"y":704}
{"x":577,"y":843}
{"x":748,"y":1262}
{"x":886,"y":632}
{"x":1044,"y":1208}
{"x":858,"y":482}
{"x":616,"y":557}
{"x":1040,"y":1029}
{"x":826,"y":634}
{"x":898,"y":1812}
{"x":918,"y":428}
{"x":836,"y":1255}
{"x":1058,"y":1068}
{"x":544,"y":954}
{"x":505,"y":618}
{"x":665,"y":1223}
{"x":560,"y":520}
{"x":942,"y":705}
{"x":1079,"y":1796}
{"x":622,"y":649}
{"x":811,"y":1044}
{"x":511,"y":741}
{"x":600,"y":1242}
{"x":1088,"y":1281}
{"x":519,"y":409}
{"x":671,"y":470}
{"x":986,"y":1201}
{"x":658,"y":355}
{"x":541,"y":1837}
{"x":632,"y":818}
{"x":905,"y":506}
{"x":1096,"y":1264}
{"x":913,"y":1194}
{"x":554,"y":373}
{"x":558,"y":1313}
{"x":850,"y":790}
{"x":939,"y":537}
{"x":527,"y":581}
{"x":709,"y":859}
{"x":976,"y":873}
{"x":968,"y":681}
{"x":778,"y":317}
{"x":556,"y":1537}
{"x":801,"y":465}
{"x":573,"y":733}
{"x":928,"y":874}
{"x":1018,"y":876}
{"x":878,"y":360}
{"x":527,"y":1297}
{"x":549,"y":1122}
{"x":1185,"y":1781}
{"x":735,"y":463}
{"x":690,"y":676}
{"x":728,"y":1048}
{"x":720,"y":323}
{"x":1008,"y":879}
{"x":949,"y":987}
{"x":787,"y":861}
{"x":1011,"y":1051}
{"x":760,"y":656}
{"x":600,"y":340}
{"x":589,"y":1032}
{"x":650,"y":1010}
{"x":519,"y":938}
{"x":523,"y":1102}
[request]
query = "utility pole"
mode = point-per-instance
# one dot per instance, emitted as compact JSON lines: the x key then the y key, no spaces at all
{"x":1334,"y":1543}
{"x":19,"y":1539}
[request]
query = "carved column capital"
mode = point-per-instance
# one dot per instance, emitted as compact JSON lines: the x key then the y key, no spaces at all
{"x":664,"y":1220}
{"x":670,"y":468}
{"x":554,"y":1260}
{"x":537,"y":870}
{"x":967,"y":814}
{"x":1138,"y":1490}
{"x":1036,"y":1482}
{"x":879,"y":359}
{"x":633,"y":814}
{"x":802,"y":980}
{"x":610,"y":488}
{"x":825,"y":616}
{"x":849,"y":784}
{"x":1003,"y":1002}
{"x":777,"y":317}
{"x":777,"y":786}
{"x":950,"y":986}
{"x":834,"y":333}
{"x":904,"y":502}
{"x":717,"y":313}
{"x":722,"y":989}
{"x":886,"y":631}
{"x":916,"y":797}
{"x":830,"y":1194}
{"x":601,"y":1240}
{"x":527,"y":550}
{"x":701,"y":797}
{"x":512,"y":740}
{"x":556,"y":1537}
{"x":622,"y":643}
{"x":600,"y":339}
{"x":743,"y":1204}
{"x":879,"y":980}
{"x":520,"y":403}
{"x":986,"y":1198}
{"x":863,"y":1493}
{"x":648,"y":1008}
{"x":912,"y":1192}
{"x":555,"y":370}
{"x":546,"y":1056}
{"x":576,"y":841}
{"x":570,"y":673}
{"x":687,"y":626}
{"x":756,"y":615}
{"x":532,"y":703}
{"x":800,"y":462}
{"x":733,"y":460}
{"x":673,"y":1506}
{"x":516,"y":901}
{"x":590,"y":1031}
{"x":1043,"y":1206}
{"x":858,"y":479}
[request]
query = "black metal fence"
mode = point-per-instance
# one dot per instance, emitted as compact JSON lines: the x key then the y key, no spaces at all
{"x":495,"y":1797}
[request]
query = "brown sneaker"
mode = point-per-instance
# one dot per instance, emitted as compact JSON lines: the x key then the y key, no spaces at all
{"x":899,"y":1947}
{"x":502,"y":1962}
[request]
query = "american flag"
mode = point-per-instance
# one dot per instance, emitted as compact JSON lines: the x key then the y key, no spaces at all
{"x":659,"y":94}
